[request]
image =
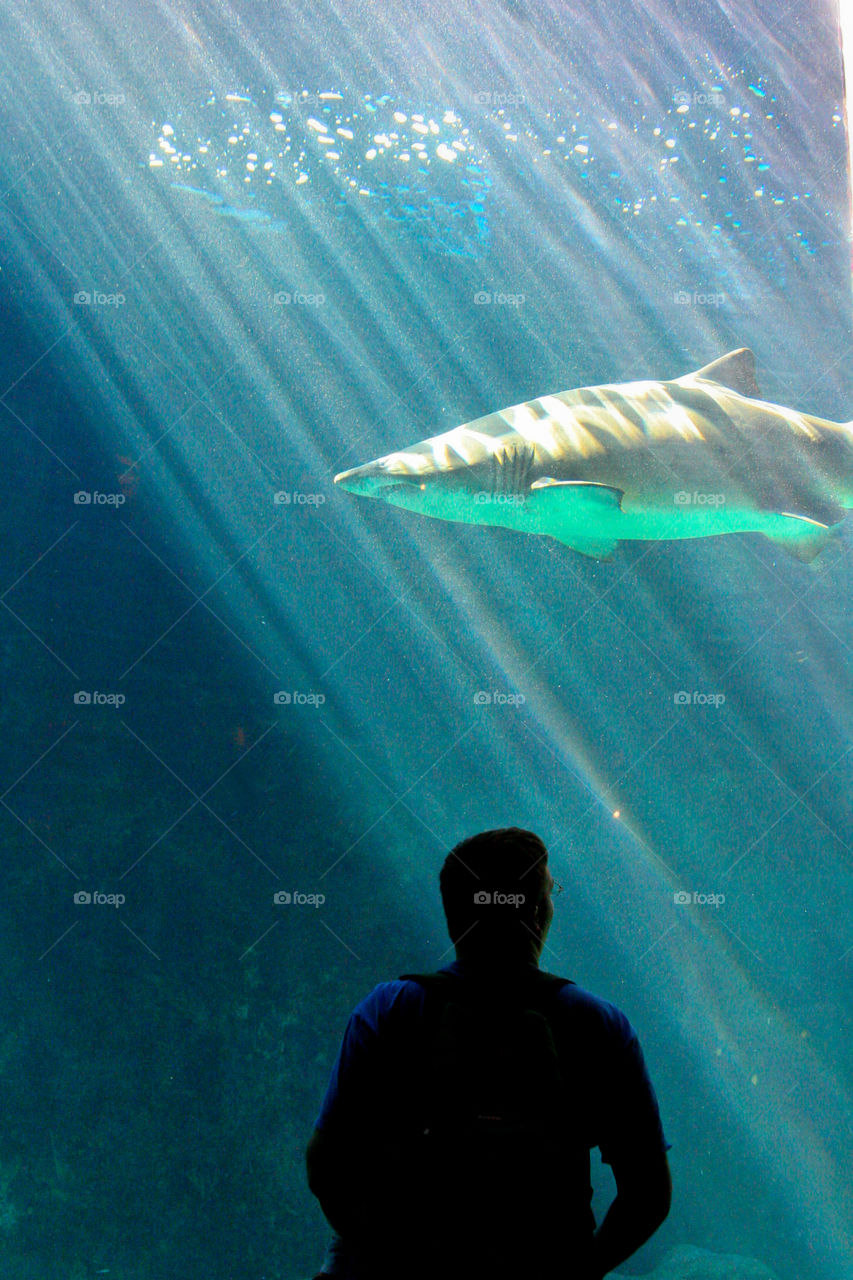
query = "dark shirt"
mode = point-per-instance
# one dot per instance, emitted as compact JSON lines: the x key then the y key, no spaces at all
{"x":616,"y":1101}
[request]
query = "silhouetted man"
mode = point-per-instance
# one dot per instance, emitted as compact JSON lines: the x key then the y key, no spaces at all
{"x":455,"y":1135}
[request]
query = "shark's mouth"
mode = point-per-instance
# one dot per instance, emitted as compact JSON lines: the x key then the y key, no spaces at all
{"x":373,"y":481}
{"x":506,"y":473}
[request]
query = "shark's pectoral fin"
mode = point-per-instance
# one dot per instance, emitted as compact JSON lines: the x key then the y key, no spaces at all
{"x":566,"y":509}
{"x":736,"y":370}
{"x":802,"y":537}
{"x":595,"y":548}
{"x":587,"y":491}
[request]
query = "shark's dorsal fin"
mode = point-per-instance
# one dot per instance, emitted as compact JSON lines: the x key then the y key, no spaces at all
{"x":736,"y":370}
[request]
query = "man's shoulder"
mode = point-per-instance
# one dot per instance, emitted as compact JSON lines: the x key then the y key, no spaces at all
{"x":586,"y":1011}
{"x":386,"y":999}
{"x":595,"y":1012}
{"x":594,"y":1005}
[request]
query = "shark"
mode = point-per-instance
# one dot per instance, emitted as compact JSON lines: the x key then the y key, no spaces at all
{"x":700,"y":456}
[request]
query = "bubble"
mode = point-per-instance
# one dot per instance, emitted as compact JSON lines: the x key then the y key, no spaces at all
{"x":246,"y":162}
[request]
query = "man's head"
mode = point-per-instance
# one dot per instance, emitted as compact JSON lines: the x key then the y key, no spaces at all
{"x":496,"y":891}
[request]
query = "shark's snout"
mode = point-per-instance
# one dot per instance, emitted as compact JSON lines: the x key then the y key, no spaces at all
{"x":358,"y":480}
{"x":372,"y":478}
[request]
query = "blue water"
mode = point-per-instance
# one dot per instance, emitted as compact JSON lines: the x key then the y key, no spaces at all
{"x":424,"y":175}
{"x":636,"y":191}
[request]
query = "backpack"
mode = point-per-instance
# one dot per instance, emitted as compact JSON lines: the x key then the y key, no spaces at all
{"x":494,"y":1142}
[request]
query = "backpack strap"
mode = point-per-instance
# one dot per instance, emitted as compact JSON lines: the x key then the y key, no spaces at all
{"x":450,"y":982}
{"x":446,"y":988}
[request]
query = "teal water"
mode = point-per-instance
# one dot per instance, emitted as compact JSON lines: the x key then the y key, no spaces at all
{"x":196,"y":349}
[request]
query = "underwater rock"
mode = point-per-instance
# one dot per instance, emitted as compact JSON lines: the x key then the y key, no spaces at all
{"x":688,"y":1262}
